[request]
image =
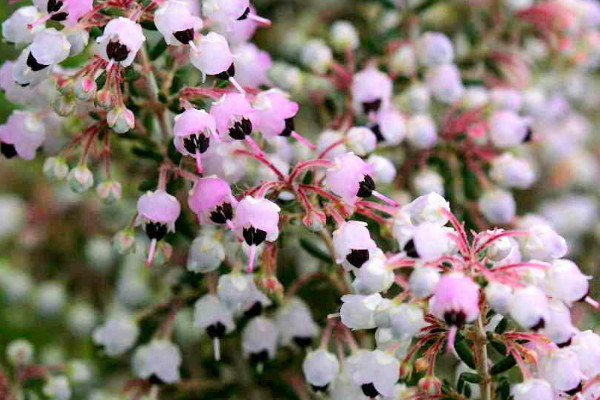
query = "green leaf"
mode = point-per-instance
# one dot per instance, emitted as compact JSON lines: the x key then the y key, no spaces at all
{"x":146,"y":185}
{"x":502,"y":326}
{"x":147,"y":153}
{"x":149,"y":25}
{"x":470,"y":377}
{"x":503,"y":365}
{"x":464,"y":352}
{"x":503,"y":389}
{"x":315,"y":251}
{"x":158,"y":50}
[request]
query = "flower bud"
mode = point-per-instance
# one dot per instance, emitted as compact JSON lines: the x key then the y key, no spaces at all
{"x":529,"y":307}
{"x":85,"y":88}
{"x":384,"y":170}
{"x":423,"y":280}
{"x":421,"y":132}
{"x":361,"y":140}
{"x":109,"y":191}
{"x":406,"y":370}
{"x":561,"y":369}
{"x":317,"y":56}
{"x":120,"y":119}
{"x":19,"y":352}
{"x":206,"y":254}
{"x":104,"y":99}
{"x":344,"y":36}
{"x":497,"y":206}
{"x":428,"y":181}
{"x":320,"y":368}
{"x":56,"y":168}
{"x":510,"y":171}
{"x":434,"y":48}
{"x":64,"y":105}
{"x":403,"y":61}
{"x":430,"y":385}
{"x":124,"y":241}
{"x":498,"y":295}
{"x":80,"y":179}
{"x":314,"y":220}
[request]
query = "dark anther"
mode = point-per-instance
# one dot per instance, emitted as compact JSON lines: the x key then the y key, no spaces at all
{"x":34,"y":64}
{"x":222,"y":214}
{"x":245,"y":14}
{"x":241,"y":129}
{"x":366,"y":187}
{"x":184,"y":36}
{"x":540,"y":325}
{"x":8,"y":150}
{"x":254,"y":236}
{"x":156,"y":230}
{"x":196,"y":143}
{"x":321,"y":389}
{"x":455,"y":318}
{"x":117,"y":51}
{"x":358,"y":257}
{"x":575,"y":390}
{"x":529,"y":136}
{"x":565,"y":344}
{"x":54,"y":6}
{"x":155,"y":380}
{"x":254,"y":311}
{"x":369,"y":390}
{"x":216,"y":330}
{"x":225,"y":75}
{"x":289,"y":128}
{"x":260,"y":357}
{"x":376,"y":129}
{"x":61,"y":16}
{"x":410,"y":249}
{"x":303,"y":341}
{"x":369,"y":106}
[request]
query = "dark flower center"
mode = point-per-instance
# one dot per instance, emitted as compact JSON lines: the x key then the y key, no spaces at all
{"x":117,"y":51}
{"x":371,"y":106}
{"x":34,"y":64}
{"x":529,"y":136}
{"x":222,"y":214}
{"x":254,"y":311}
{"x":225,"y":75}
{"x":366,"y":187}
{"x":357,"y":257}
{"x":156,"y":230}
{"x":369,"y":390}
{"x":241,"y":129}
{"x":376,"y":129}
{"x":155,"y":380}
{"x":259,"y":357}
{"x":410,"y":249}
{"x":54,"y":6}
{"x":254,"y":236}
{"x":216,"y":330}
{"x":455,"y":318}
{"x":8,"y":150}
{"x":321,"y":389}
{"x":540,"y":325}
{"x":289,"y":128}
{"x":245,"y":14}
{"x":575,"y":390}
{"x":303,"y":341}
{"x":197,"y":143}
{"x":566,"y":343}
{"x":184,"y":36}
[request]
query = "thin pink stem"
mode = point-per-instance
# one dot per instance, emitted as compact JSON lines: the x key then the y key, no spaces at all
{"x":451,"y":339}
{"x":385,"y":199}
{"x":331,"y":147}
{"x":376,"y":206}
{"x":259,"y":19}
{"x":40,"y":21}
{"x":263,"y":160}
{"x":521,"y":265}
{"x":237,"y":85}
{"x":303,"y":140}
{"x":306,"y":165}
{"x":320,"y":192}
{"x":462,"y":235}
{"x":592,"y":302}
{"x":499,"y":236}
{"x":254,"y":146}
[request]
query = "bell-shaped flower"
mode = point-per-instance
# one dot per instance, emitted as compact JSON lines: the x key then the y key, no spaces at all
{"x":533,"y":389}
{"x":15,"y":28}
{"x":49,"y":47}
{"x":507,"y":129}
{"x":498,"y":295}
{"x":543,"y":243}
{"x":256,"y":220}
{"x":455,"y":300}
{"x":206,"y":253}
{"x":421,"y":132}
{"x":373,"y":276}
{"x":358,"y":311}
{"x":429,"y":208}
{"x":234,"y":116}
{"x":497,"y":206}
{"x":120,"y":42}
{"x":353,"y":244}
{"x":565,"y":281}
{"x":423,"y":280}
{"x":61,"y":10}
{"x":389,"y":126}
{"x":376,"y":372}
{"x":175,"y":21}
{"x":586,"y":345}
{"x":160,"y":360}
{"x":434,"y":48}
{"x":259,"y":340}
{"x":429,"y":242}
{"x":383,"y":168}
{"x":21,"y":135}
{"x":406,"y":321}
{"x":371,"y":90}
{"x":510,"y":171}
{"x":361,"y":140}
{"x":558,"y":326}
{"x":251,"y":65}
{"x":529,"y":307}
{"x":320,"y":368}
{"x":236,"y":290}
{"x":212,"y":201}
{"x":117,"y":335}
{"x":445,"y":83}
{"x":193,"y":131}
{"x":296,"y":324}
{"x":561,"y":369}
{"x":213,"y":317}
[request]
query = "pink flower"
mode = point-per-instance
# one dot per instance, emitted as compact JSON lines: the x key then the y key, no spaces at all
{"x":212,"y":56}
{"x":455,"y":300}
{"x":175,"y":22}
{"x":353,"y":244}
{"x":70,"y":10}
{"x":234,"y":117}
{"x":193,"y":129}
{"x":22,"y":135}
{"x":275,"y":113}
{"x":212,"y":201}
{"x":371,"y":90}
{"x":121,"y":41}
{"x":257,"y":220}
{"x":251,"y":65}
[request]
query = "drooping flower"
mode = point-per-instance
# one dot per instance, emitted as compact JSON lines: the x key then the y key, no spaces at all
{"x":160,"y":360}
{"x":120,"y":42}
{"x":371,"y":91}
{"x":320,"y":368}
{"x":193,"y":131}
{"x":212,"y":316}
{"x":22,"y":135}
{"x":212,"y":201}
{"x":175,"y":21}
{"x":353,"y":244}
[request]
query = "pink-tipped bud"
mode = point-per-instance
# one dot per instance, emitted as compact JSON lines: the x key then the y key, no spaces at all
{"x":120,"y":119}
{"x":85,"y":88}
{"x":81,"y":179}
{"x":64,"y":105}
{"x":124,"y":241}
{"x":314,"y":220}
{"x":109,"y":191}
{"x":430,"y":385}
{"x":104,"y":99}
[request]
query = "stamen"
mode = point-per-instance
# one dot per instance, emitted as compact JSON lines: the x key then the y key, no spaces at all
{"x":217,"y":348}
{"x":303,"y":140}
{"x":254,"y":146}
{"x":385,"y":199}
{"x":251,"y":257}
{"x":259,"y":19}
{"x":236,"y":84}
{"x":151,"y":252}
{"x":198,"y":161}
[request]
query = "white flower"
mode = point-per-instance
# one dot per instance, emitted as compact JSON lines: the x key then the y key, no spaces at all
{"x":543,"y":243}
{"x":117,"y":334}
{"x":406,"y":321}
{"x":211,"y":315}
{"x":498,"y":206}
{"x":353,"y":244}
{"x":58,"y":388}
{"x":558,"y":326}
{"x":14,"y":28}
{"x":19,"y":352}
{"x":376,"y":372}
{"x":510,"y":171}
{"x":317,"y":56}
{"x":374,"y":276}
{"x":498,"y":295}
{"x":384,"y":170}
{"x":561,"y":369}
{"x":344,"y":36}
{"x":565,"y":281}
{"x":428,"y":181}
{"x":586,"y":345}
{"x":529,"y":307}
{"x":259,"y":340}
{"x":533,"y":389}
{"x":320,"y":368}
{"x":358,"y":311}
{"x":160,"y":358}
{"x":434,"y":48}
{"x":206,"y":254}
{"x":421,"y":132}
{"x":295,"y":323}
{"x":507,"y":129}
{"x":423,"y":280}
